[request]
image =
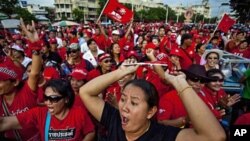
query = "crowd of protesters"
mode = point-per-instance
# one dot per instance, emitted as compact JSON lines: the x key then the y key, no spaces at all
{"x":140,"y":81}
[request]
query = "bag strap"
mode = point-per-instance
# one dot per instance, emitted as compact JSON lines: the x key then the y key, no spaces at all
{"x":7,"y":113}
{"x":47,"y":125}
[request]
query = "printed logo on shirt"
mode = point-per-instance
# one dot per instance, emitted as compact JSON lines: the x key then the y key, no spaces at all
{"x":62,"y":134}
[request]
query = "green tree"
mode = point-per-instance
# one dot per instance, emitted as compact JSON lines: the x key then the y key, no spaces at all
{"x":51,"y":13}
{"x":8,"y":6}
{"x":241,"y":7}
{"x":78,"y":15}
{"x":25,"y":14}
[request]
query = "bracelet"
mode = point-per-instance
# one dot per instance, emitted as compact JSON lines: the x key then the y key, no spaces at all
{"x":180,"y":92}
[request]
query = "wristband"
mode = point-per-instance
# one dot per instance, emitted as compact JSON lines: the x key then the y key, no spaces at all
{"x":180,"y":92}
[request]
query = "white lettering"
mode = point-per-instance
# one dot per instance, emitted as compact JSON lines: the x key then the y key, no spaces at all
{"x":240,"y":132}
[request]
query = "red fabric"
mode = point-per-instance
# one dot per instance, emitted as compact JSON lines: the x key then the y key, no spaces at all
{"x":73,"y":40}
{"x":100,"y":41}
{"x":185,"y":60}
{"x":114,"y":89}
{"x":197,"y":58}
{"x":171,"y":106}
{"x":164,"y":44}
{"x":213,"y":99}
{"x":75,"y":123}
{"x":118,"y":12}
{"x":24,"y":100}
{"x":243,"y":53}
{"x":207,"y":100}
{"x":243,"y":119}
{"x":154,"y":78}
{"x":126,"y":45}
{"x":93,"y":74}
{"x":62,"y":52}
{"x":225,"y":23}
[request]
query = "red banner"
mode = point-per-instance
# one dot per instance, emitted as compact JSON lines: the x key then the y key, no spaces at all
{"x":118,"y":12}
{"x":225,"y":23}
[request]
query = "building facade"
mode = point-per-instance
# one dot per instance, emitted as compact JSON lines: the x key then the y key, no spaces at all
{"x":65,"y":8}
{"x":143,"y":4}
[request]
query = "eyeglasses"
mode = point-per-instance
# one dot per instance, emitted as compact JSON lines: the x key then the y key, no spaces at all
{"x":195,"y":80}
{"x":107,"y":61}
{"x":52,"y":98}
{"x":210,"y":58}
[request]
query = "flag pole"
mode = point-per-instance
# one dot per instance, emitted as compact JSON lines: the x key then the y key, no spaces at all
{"x":102,"y":10}
{"x":215,"y":29}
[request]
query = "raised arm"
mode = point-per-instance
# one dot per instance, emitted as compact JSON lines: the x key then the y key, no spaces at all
{"x":102,"y":29}
{"x":129,"y":29}
{"x":205,"y":126}
{"x":32,"y":35}
{"x":90,"y":91}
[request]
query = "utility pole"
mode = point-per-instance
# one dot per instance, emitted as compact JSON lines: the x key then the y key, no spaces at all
{"x":166,"y":21}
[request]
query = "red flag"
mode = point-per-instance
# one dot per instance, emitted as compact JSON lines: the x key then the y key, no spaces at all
{"x":225,"y":23}
{"x":118,"y":12}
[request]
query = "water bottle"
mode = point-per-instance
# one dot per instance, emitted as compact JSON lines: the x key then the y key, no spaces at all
{"x":65,"y":69}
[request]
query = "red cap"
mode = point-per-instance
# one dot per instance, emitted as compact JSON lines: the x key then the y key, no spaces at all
{"x":103,"y":56}
{"x":133,"y":53}
{"x":8,"y":70}
{"x":150,"y":45}
{"x":53,"y":41}
{"x":79,"y":74}
{"x":176,"y":52}
{"x":51,"y":73}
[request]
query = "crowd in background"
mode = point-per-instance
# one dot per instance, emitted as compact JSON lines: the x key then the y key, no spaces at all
{"x":43,"y":69}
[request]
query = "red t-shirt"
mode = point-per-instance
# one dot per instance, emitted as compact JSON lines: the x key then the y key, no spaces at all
{"x":62,"y":52}
{"x":100,"y":41}
{"x":160,"y":86}
{"x":243,"y":53}
{"x":163,"y":44}
{"x":243,"y":120}
{"x":93,"y":74}
{"x":207,"y":100}
{"x":171,"y":106}
{"x":186,"y":59}
{"x":73,"y":127}
{"x":197,"y":58}
{"x":24,"y":100}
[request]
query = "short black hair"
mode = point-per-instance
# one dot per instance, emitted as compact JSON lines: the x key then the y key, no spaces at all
{"x":90,"y":41}
{"x":185,"y":37}
{"x":211,"y":72}
{"x":63,"y":88}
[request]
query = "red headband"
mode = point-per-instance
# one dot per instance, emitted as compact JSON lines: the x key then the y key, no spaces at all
{"x":104,"y":56}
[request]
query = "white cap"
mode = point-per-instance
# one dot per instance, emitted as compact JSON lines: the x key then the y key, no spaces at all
{"x":17,"y":47}
{"x":116,"y":32}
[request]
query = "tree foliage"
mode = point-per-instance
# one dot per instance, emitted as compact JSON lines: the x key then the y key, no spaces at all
{"x":78,"y":15}
{"x":51,"y":13}
{"x":242,"y":9}
{"x":25,"y":14}
{"x":8,"y":6}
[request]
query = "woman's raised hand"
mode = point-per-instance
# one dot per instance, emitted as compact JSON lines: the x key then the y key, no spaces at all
{"x":30,"y":31}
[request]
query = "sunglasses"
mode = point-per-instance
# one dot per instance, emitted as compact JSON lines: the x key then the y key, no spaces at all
{"x":195,"y":80}
{"x":210,"y":58}
{"x":52,"y":98}
{"x":107,"y":61}
{"x":217,"y":79}
{"x":73,"y":51}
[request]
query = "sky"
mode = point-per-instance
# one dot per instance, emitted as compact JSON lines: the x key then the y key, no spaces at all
{"x":215,"y":4}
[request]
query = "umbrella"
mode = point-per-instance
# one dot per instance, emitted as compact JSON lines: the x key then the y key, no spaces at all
{"x":65,"y":23}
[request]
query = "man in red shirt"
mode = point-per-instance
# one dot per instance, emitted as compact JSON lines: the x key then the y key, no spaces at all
{"x":187,"y":58}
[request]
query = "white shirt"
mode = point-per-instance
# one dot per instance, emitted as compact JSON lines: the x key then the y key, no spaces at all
{"x":89,"y":56}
